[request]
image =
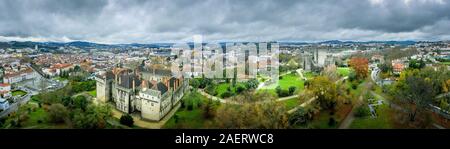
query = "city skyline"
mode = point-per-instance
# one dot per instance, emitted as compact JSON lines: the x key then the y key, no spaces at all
{"x":118,"y":22}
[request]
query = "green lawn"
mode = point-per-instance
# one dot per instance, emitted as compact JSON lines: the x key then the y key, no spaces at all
{"x":445,"y":63}
{"x":381,"y":122}
{"x":358,"y":89}
{"x":189,"y":118}
{"x":93,"y":93}
{"x":343,"y":71}
{"x":292,"y":103}
{"x":18,"y":93}
{"x":309,"y":75}
{"x":35,"y":116}
{"x":321,"y":121}
{"x":285,"y":82}
{"x":223,"y":87}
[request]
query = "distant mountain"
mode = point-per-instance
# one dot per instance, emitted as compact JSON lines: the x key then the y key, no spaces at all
{"x":90,"y":45}
{"x":406,"y":42}
{"x":331,"y":42}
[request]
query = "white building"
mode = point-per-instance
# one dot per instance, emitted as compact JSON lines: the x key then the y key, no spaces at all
{"x":5,"y":90}
{"x":4,"y":104}
{"x":16,"y":77}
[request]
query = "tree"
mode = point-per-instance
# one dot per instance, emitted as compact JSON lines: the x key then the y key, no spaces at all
{"x":385,"y":67}
{"x":94,"y":116}
{"x":331,"y":72}
{"x":416,"y":92}
{"x":240,"y":89}
{"x":325,"y":91}
{"x":362,"y":111}
{"x":57,"y":113}
{"x":252,"y":84}
{"x":80,"y":102}
{"x":127,"y":120}
{"x":226,"y":94}
{"x":292,"y":90}
{"x":208,"y":110}
{"x":194,"y":83}
{"x":211,"y":89}
{"x":278,"y":90}
{"x":203,"y":82}
{"x":77,"y":68}
{"x":299,"y":117}
{"x":267,"y":115}
{"x":360,"y":66}
{"x":416,"y":64}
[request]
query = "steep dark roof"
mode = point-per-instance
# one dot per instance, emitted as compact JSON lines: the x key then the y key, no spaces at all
{"x":172,"y":82}
{"x":162,"y":87}
{"x":160,"y":72}
{"x":127,"y":81}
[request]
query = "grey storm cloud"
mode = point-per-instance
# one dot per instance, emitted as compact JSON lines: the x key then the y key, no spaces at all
{"x":143,"y":21}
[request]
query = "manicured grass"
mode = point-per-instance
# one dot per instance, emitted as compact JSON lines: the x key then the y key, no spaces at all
{"x":292,"y":103}
{"x":36,"y":118}
{"x":18,"y":93}
{"x":285,"y":82}
{"x":380,"y":122}
{"x":189,"y":118}
{"x":322,"y":119}
{"x":445,"y":63}
{"x":93,"y":93}
{"x":343,"y":71}
{"x":38,"y":115}
{"x":223,"y":87}
{"x":309,"y":75}
{"x":291,"y":80}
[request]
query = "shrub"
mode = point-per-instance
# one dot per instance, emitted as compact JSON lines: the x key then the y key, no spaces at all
{"x":240,"y":89}
{"x":281,"y":93}
{"x":278,"y":90}
{"x":183,"y":104}
{"x":211,"y":89}
{"x":190,"y":107}
{"x":127,"y":120}
{"x":57,"y":113}
{"x":292,"y":90}
{"x":226,"y":94}
{"x":354,"y":85}
{"x":331,"y":121}
{"x":362,"y":111}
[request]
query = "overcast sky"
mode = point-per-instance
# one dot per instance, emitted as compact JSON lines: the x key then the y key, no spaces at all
{"x":141,"y":21}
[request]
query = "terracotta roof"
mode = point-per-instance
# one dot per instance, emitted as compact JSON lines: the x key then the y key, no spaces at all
{"x":9,"y":75}
{"x":4,"y":84}
{"x":61,"y":66}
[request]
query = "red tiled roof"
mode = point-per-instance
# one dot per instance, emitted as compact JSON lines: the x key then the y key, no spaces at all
{"x":4,"y":84}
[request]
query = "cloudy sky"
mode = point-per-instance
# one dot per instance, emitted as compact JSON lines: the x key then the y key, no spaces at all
{"x":141,"y":21}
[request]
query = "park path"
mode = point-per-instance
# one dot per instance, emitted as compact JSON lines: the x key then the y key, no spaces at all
{"x":202,"y":92}
{"x":302,"y":105}
{"x":345,"y":124}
